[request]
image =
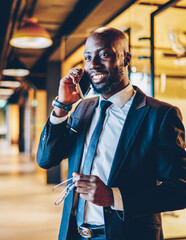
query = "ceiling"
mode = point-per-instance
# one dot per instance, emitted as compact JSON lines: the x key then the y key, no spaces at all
{"x":137,"y":18}
{"x":75,"y":19}
{"x":59,"y":17}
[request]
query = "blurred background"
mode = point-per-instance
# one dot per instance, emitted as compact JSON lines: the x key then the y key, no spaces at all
{"x":40,"y":41}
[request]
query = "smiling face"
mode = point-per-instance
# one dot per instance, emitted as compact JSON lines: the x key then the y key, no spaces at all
{"x":104,"y":61}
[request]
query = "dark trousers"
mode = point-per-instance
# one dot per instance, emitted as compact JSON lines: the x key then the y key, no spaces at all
{"x":74,"y":235}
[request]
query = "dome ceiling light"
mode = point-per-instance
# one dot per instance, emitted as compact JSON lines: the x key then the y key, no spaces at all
{"x":10,"y":84}
{"x":31,"y":36}
{"x":7,"y":92}
{"x":15,"y":69}
{"x":15,"y":72}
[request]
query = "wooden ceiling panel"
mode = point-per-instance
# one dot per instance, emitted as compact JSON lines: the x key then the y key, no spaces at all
{"x":51,"y":14}
{"x":97,"y":18}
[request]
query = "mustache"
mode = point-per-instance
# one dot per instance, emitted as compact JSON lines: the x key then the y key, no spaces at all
{"x":98,"y":72}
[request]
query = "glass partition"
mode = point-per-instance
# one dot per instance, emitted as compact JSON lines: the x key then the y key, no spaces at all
{"x":170,"y":57}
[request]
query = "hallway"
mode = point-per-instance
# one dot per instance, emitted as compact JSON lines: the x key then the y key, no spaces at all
{"x":27,"y":210}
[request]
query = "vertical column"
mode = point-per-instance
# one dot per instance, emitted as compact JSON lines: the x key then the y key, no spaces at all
{"x":22,"y":128}
{"x":152,"y":66}
{"x":52,"y":83}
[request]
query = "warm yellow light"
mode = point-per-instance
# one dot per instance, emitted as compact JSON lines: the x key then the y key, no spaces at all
{"x":6,"y":91}
{"x":134,"y":69}
{"x":13,"y":122}
{"x":180,"y":61}
{"x":2,"y":103}
{"x":13,"y":84}
{"x":31,"y":42}
{"x":16,"y":72}
{"x":4,"y":97}
{"x":31,"y":36}
{"x":34,"y":103}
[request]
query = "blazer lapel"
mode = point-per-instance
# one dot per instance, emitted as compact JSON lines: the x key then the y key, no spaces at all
{"x":84,"y":123}
{"x":130,"y":129}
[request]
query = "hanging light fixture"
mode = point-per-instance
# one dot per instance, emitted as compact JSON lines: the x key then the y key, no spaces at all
{"x":6,"y":91}
{"x":15,"y":72}
{"x":10,"y":84}
{"x":15,"y":69}
{"x":31,"y":36}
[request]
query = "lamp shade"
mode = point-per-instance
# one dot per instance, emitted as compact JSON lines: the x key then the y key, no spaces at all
{"x":6,"y":92}
{"x":10,"y":84}
{"x":31,"y":36}
{"x":15,"y":69}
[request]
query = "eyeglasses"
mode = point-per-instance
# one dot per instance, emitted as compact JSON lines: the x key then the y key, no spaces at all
{"x":65,"y":192}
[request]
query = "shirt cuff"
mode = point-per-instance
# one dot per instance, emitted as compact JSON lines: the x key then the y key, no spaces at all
{"x":57,"y":120}
{"x":118,"y":202}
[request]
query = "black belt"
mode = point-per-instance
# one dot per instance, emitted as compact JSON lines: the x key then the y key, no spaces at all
{"x":91,"y":231}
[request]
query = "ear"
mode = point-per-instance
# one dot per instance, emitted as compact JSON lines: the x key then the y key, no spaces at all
{"x":127,"y":58}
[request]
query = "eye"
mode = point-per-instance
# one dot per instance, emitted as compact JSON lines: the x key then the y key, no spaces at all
{"x":87,"y":58}
{"x":104,"y":55}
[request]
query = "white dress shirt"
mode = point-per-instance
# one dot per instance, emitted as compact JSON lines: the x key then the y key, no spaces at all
{"x":114,"y":120}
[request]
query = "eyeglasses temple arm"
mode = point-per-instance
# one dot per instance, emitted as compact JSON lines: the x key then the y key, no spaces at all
{"x":67,"y":189}
{"x":62,"y":183}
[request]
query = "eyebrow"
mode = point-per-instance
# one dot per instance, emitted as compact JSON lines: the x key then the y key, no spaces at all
{"x":88,"y":52}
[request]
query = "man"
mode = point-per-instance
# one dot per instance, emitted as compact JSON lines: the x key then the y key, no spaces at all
{"x":138,"y":167}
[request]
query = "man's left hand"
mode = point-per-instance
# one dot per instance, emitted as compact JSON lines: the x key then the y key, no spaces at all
{"x":93,"y":189}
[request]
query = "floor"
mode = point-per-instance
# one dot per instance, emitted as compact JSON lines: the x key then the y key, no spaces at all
{"x":27,"y":210}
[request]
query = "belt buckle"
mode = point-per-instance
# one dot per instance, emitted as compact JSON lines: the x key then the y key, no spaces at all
{"x":85,"y":232}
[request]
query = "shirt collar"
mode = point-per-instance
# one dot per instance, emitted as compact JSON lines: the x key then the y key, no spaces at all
{"x":120,"y":98}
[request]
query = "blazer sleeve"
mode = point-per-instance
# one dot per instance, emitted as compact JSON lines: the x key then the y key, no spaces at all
{"x":170,"y":193}
{"x":172,"y":162}
{"x":57,"y":140}
{"x":54,"y":144}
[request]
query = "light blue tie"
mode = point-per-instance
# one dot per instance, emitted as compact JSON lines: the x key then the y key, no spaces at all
{"x":90,"y":156}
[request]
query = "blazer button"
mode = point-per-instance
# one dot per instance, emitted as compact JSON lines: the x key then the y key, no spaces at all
{"x":44,"y":139}
{"x":108,"y":210}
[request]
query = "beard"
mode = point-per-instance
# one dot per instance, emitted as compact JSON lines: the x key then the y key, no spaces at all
{"x":110,"y":83}
{"x":106,"y":87}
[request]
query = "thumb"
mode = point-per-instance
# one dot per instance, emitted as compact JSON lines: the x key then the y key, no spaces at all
{"x":75,"y":174}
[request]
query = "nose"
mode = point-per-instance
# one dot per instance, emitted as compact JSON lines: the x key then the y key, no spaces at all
{"x":94,"y":62}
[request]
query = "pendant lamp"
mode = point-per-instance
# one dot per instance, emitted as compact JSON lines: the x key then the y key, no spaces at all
{"x":10,"y":84}
{"x":31,"y":36}
{"x":6,"y":91}
{"x":15,"y":69}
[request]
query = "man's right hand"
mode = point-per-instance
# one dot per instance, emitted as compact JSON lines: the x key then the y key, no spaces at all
{"x":67,"y":92}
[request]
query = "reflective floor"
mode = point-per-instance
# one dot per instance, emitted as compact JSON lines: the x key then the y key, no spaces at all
{"x":27,"y":210}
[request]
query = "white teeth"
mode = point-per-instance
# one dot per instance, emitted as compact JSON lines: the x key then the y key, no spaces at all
{"x":97,"y":77}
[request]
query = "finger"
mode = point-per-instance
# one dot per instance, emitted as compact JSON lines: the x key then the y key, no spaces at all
{"x":85,"y":184}
{"x":72,"y":77}
{"x":79,"y":70}
{"x":84,"y":190}
{"x":75,"y":176}
{"x":76,"y":73}
{"x":82,"y":178}
{"x":90,"y":178}
{"x":86,"y":196}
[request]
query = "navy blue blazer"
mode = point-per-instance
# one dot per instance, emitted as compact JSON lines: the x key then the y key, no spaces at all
{"x":148,"y":166}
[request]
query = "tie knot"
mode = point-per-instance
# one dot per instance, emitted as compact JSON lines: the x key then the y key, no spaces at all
{"x":104,"y":105}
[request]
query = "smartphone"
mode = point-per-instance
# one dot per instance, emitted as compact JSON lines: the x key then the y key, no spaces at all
{"x":83,"y":86}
